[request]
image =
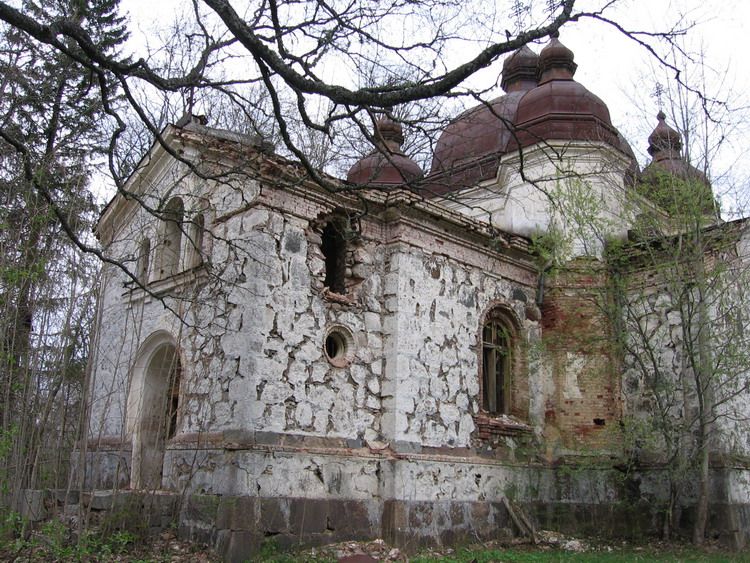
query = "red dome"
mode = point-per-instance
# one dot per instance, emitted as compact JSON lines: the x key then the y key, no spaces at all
{"x":664,"y":146}
{"x":663,"y":137}
{"x":470,"y":147}
{"x":387,"y":164}
{"x":563,"y":110}
{"x":560,"y":108}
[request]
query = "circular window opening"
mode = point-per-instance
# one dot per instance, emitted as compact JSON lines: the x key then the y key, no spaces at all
{"x":338,"y":344}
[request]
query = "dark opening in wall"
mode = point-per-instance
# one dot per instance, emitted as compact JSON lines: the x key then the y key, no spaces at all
{"x":173,"y":399}
{"x":338,"y":345}
{"x":334,"y":252}
{"x":335,"y":346}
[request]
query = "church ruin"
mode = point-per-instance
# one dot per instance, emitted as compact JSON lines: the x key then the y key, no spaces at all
{"x":403,"y":360}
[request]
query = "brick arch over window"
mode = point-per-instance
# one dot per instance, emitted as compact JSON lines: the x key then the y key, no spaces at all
{"x":503,"y":377}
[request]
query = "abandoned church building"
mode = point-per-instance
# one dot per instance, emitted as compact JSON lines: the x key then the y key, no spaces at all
{"x":427,"y":358}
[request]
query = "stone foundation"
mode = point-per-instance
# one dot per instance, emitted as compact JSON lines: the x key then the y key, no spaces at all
{"x":304,"y":492}
{"x":239,"y":527}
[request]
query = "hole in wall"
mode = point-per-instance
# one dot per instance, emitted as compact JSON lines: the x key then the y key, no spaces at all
{"x":338,"y":345}
{"x":333,"y":248}
{"x":599,"y":421}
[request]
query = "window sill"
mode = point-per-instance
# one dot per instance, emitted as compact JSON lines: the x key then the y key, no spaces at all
{"x":168,"y":285}
{"x":334,"y":297}
{"x":492,"y":426}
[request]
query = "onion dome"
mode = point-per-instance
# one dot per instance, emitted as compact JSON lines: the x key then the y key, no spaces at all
{"x":387,"y":164}
{"x":664,"y":142}
{"x":470,"y":148}
{"x":560,"y":108}
{"x":665,"y":148}
{"x":520,"y":70}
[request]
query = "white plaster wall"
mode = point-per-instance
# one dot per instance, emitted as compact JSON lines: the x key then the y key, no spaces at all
{"x":252,"y":336}
{"x":275,"y":474}
{"x":433,"y":310}
{"x":576,"y":188}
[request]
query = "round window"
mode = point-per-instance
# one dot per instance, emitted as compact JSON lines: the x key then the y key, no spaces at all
{"x":338,"y":346}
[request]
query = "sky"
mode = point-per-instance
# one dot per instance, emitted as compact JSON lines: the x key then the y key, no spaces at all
{"x":617,"y":69}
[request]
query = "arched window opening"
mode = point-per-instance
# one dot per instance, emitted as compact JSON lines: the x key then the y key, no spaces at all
{"x":333,"y":248}
{"x":195,"y":237}
{"x":171,"y":241}
{"x":142,"y":264}
{"x":497,"y":346}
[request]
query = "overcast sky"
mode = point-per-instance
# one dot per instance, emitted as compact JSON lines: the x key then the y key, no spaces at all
{"x":614,"y":67}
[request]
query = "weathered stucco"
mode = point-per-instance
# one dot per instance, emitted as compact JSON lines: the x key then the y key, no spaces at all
{"x":385,"y":420}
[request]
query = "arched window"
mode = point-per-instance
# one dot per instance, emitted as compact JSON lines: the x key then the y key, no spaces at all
{"x":496,"y":366}
{"x":144,"y":257}
{"x":195,"y":241}
{"x":504,"y":388}
{"x":333,"y":247}
{"x":172,"y":237}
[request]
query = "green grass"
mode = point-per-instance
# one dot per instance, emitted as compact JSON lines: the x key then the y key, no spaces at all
{"x":539,"y":555}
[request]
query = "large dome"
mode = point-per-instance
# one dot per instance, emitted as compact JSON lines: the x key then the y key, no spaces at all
{"x":469,"y":148}
{"x":560,"y":108}
{"x":542,"y":103}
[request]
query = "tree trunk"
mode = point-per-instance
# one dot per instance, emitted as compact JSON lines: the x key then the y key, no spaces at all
{"x":701,"y":512}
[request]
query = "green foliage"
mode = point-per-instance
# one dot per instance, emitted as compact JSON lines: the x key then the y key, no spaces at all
{"x":12,"y":526}
{"x":550,"y":248}
{"x":54,"y":125}
{"x":684,"y":199}
{"x":54,"y":541}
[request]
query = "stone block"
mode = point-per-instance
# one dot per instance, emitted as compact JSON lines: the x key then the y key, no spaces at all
{"x":420,"y":515}
{"x":32,"y":504}
{"x":308,"y":516}
{"x":351,"y":518}
{"x":395,"y":522}
{"x":238,"y":546}
{"x":201,"y":508}
{"x":237,"y":513}
{"x":458,"y":514}
{"x":274,"y":515}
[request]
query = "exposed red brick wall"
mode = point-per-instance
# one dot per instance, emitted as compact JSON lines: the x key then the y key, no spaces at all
{"x":576,"y":326}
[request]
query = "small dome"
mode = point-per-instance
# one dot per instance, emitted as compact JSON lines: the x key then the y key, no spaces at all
{"x":387,"y":164}
{"x":663,"y":137}
{"x":560,"y":108}
{"x":519,"y":70}
{"x":468,"y":150}
{"x":556,"y":61}
{"x":665,"y":148}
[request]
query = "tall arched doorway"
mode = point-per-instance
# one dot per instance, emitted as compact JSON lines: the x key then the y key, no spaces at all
{"x":153,"y":407}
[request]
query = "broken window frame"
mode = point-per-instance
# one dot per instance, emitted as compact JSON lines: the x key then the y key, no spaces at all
{"x":143,"y":263}
{"x":196,"y":230}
